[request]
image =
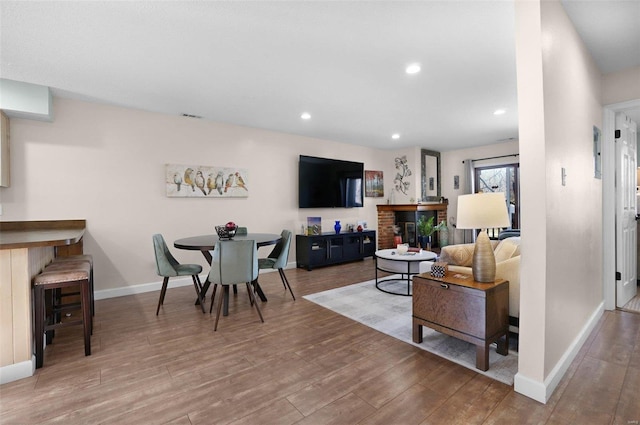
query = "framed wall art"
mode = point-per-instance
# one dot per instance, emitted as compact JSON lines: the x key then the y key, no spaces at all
{"x":314,"y":226}
{"x":202,"y":181}
{"x":373,"y":184}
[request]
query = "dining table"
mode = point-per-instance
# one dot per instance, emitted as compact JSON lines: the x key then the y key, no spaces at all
{"x":207,"y":243}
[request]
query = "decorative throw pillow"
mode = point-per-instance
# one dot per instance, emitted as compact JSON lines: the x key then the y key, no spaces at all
{"x":507,"y":248}
{"x":439,"y":269}
{"x":458,"y":255}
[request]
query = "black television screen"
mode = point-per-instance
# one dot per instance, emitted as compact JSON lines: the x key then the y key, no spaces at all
{"x":329,"y":183}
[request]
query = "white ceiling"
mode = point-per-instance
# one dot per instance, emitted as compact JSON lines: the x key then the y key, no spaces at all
{"x":261,"y":64}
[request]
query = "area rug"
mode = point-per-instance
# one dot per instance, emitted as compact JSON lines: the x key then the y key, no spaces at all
{"x":391,"y":315}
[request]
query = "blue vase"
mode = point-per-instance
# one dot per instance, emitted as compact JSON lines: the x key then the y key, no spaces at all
{"x":337,"y":227}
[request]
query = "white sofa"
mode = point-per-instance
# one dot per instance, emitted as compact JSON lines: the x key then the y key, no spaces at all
{"x":507,"y":252}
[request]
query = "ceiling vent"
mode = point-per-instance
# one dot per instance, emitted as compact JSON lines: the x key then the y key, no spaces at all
{"x":191,"y":116}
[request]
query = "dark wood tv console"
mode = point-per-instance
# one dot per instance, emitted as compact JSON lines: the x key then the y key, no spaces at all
{"x":330,"y":248}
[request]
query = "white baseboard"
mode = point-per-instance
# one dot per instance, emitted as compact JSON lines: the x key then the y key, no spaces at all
{"x":16,"y":371}
{"x":542,"y":391}
{"x":141,"y":288}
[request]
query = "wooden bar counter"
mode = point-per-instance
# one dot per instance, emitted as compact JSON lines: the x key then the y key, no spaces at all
{"x":25,"y":248}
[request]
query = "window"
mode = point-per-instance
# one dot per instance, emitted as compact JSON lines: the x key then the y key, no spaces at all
{"x":501,"y":178}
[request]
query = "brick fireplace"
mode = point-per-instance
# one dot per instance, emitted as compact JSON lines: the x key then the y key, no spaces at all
{"x":388,"y":216}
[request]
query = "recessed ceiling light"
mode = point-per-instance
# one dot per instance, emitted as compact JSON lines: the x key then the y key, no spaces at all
{"x":414,"y":68}
{"x":395,"y":136}
{"x":305,"y":116}
{"x":499,"y":112}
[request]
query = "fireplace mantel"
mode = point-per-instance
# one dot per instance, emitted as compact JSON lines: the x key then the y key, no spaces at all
{"x":435,"y":206}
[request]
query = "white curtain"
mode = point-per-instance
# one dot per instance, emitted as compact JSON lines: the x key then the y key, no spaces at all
{"x":468,"y":235}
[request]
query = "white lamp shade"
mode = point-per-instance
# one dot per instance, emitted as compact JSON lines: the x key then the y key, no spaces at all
{"x":482,"y":211}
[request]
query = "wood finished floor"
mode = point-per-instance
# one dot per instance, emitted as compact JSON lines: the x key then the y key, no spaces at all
{"x":304,"y":365}
{"x":634,"y":303}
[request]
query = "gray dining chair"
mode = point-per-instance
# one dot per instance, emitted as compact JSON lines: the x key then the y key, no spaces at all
{"x":278,"y":258}
{"x":240,"y":231}
{"x":167,"y":266}
{"x":233,"y":262}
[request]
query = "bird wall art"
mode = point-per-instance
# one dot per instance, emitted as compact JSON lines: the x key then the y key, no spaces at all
{"x":203,"y":181}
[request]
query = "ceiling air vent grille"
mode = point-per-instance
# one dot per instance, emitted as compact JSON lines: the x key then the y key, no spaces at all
{"x":191,"y":116}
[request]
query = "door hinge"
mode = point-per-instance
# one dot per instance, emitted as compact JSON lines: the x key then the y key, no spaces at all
{"x":618,"y":276}
{"x":617,"y":134}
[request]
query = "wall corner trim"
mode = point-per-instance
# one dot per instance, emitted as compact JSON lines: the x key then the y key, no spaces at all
{"x":530,"y":388}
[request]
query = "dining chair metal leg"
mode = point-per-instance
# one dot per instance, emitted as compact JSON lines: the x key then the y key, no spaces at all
{"x":163,"y":291}
{"x":215,"y":325}
{"x":252,"y":298}
{"x":285,"y":282}
{"x":224,"y":298}
{"x":213,"y":297}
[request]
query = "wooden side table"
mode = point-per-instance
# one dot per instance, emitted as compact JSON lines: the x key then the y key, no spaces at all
{"x":461,"y":307}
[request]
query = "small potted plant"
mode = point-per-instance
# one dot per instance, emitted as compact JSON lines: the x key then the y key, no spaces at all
{"x":426,"y":229}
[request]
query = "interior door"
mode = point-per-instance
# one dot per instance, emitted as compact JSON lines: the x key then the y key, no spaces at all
{"x":626,"y":227}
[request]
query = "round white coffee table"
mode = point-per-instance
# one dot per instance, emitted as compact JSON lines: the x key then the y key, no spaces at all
{"x":407,"y":265}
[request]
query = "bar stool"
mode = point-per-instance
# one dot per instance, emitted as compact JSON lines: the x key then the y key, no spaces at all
{"x":81,"y":257}
{"x":55,"y":301}
{"x":53,"y":278}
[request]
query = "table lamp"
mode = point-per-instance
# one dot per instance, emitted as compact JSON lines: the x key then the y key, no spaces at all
{"x":482,"y":211}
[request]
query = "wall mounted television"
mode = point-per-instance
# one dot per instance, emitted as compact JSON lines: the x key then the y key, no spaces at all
{"x":329,"y":183}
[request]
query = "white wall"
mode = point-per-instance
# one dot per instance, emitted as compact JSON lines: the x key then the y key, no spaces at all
{"x":572,"y":107}
{"x":621,"y":86}
{"x":106,"y":164}
{"x":559,"y":96}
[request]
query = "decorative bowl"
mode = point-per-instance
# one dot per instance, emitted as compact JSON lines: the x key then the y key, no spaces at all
{"x":402,"y":249}
{"x":225,"y":233}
